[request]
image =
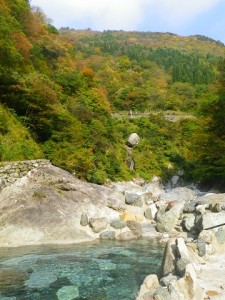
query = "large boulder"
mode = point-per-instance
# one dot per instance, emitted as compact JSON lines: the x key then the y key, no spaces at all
{"x":179,"y":194}
{"x":154,"y":187}
{"x":169,"y":219}
{"x":169,"y":258}
{"x":133,"y":139}
{"x":149,"y":286}
{"x":46,"y":205}
{"x":211,"y":199}
{"x":213,"y":219}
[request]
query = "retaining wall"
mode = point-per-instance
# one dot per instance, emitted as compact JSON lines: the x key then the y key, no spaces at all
{"x":10,"y":171}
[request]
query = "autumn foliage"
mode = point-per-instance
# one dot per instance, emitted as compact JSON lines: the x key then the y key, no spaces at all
{"x":65,"y":95}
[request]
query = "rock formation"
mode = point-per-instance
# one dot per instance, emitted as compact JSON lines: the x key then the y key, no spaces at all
{"x":49,"y":205}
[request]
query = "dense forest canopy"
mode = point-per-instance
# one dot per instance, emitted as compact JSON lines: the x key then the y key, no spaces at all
{"x":60,"y":91}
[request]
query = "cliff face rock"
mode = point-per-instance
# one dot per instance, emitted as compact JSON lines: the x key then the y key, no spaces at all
{"x":46,"y":205}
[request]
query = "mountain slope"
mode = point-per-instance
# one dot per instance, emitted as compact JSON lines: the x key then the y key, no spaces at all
{"x":62,"y":88}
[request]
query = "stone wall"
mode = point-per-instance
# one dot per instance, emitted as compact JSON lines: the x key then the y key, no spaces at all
{"x":10,"y":171}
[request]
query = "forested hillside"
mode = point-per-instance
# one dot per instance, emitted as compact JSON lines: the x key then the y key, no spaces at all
{"x":60,"y":91}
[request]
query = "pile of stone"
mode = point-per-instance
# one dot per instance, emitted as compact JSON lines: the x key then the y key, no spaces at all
{"x":178,"y":279}
{"x":116,"y":228}
{"x":195,"y":225}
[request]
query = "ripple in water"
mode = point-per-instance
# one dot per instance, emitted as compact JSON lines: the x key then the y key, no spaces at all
{"x":100,"y":270}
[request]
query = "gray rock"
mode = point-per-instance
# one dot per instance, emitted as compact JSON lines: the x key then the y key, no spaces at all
{"x":189,"y":207}
{"x":181,"y":266}
{"x":220,"y":235}
{"x":98,"y":224}
{"x":181,"y":249}
{"x":164,"y":281}
{"x":161,"y":211}
{"x":133,"y":139}
{"x":208,"y":236}
{"x":198,"y":223}
{"x":118,"y":224}
{"x":84,"y":220}
{"x":148,"y":296}
{"x":107,"y":235}
{"x":212,"y":219}
{"x":168,"y":220}
{"x":154,"y":187}
{"x":201,"y":247}
{"x":166,"y":223}
{"x":125,"y":236}
{"x":133,"y":199}
{"x":150,"y":212}
{"x":211,"y":199}
{"x":178,"y":194}
{"x":169,"y":258}
{"x":215,"y":207}
{"x":162,"y":294}
{"x":148,"y":287}
{"x":135,"y":227}
{"x":189,"y":222}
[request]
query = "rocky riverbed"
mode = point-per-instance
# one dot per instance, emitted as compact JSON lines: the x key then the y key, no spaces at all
{"x":51,"y":206}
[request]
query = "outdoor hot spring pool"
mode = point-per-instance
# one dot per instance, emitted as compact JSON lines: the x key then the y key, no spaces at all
{"x":105,"y":270}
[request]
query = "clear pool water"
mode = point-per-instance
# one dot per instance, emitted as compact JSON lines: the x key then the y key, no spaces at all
{"x":105,"y":270}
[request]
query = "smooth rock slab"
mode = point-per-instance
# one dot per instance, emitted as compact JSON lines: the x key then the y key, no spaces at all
{"x":68,"y":292}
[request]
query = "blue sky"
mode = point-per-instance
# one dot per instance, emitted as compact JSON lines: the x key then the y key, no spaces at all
{"x":183,"y":17}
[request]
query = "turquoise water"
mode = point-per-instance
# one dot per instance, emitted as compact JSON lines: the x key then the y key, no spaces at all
{"x":105,"y":270}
